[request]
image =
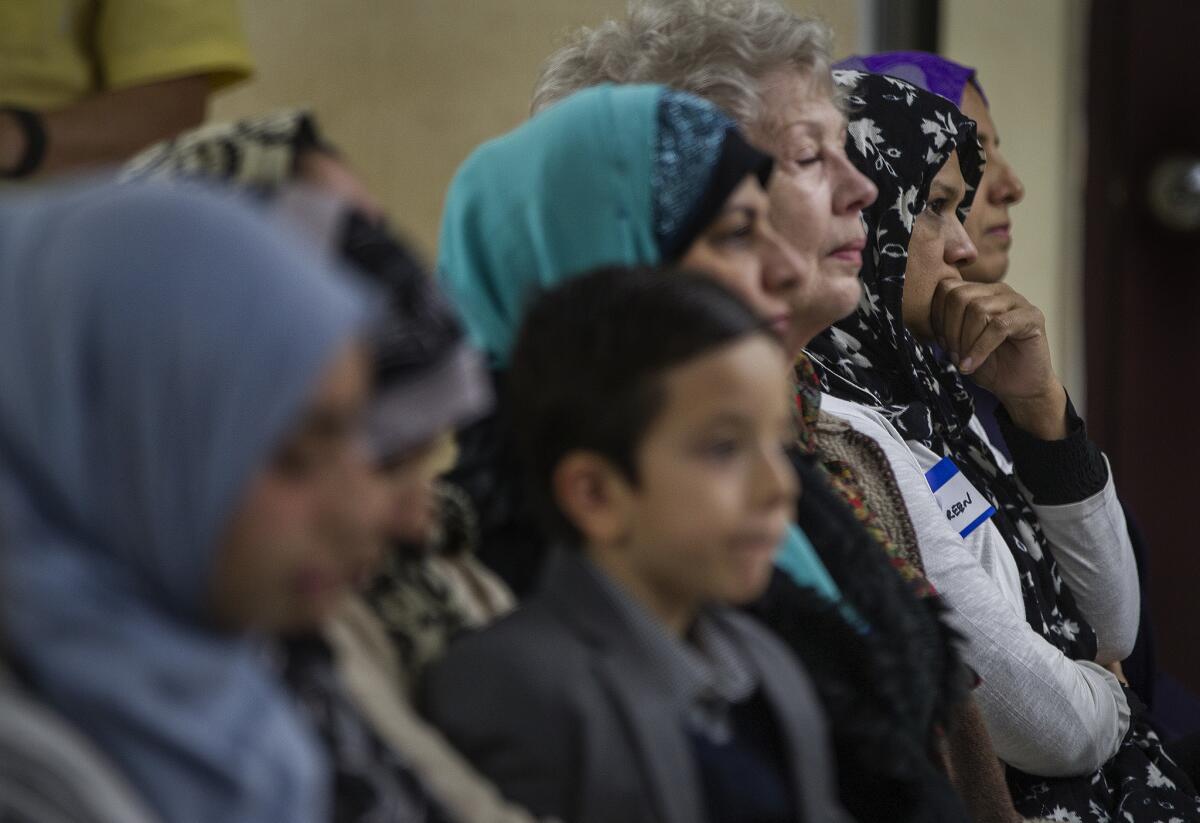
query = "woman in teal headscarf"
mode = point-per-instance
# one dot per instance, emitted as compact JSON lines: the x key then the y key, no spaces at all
{"x":630,"y":175}
{"x":614,"y":175}
{"x":643,"y":175}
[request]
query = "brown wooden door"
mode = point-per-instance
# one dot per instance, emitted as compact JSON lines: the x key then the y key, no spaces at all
{"x":1142,"y":293}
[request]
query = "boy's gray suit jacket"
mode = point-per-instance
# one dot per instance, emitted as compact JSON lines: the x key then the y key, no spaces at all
{"x":561,"y":708}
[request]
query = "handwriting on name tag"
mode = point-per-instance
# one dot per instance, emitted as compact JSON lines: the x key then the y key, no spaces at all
{"x":966,"y":509}
{"x":958,"y":508}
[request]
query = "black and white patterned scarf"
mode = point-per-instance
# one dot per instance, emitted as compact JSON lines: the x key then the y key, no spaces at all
{"x":257,"y":154}
{"x":900,"y":137}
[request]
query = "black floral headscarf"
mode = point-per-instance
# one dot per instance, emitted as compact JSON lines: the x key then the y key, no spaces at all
{"x":900,"y":137}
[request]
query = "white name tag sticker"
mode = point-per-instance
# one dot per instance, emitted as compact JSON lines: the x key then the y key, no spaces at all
{"x":966,"y":509}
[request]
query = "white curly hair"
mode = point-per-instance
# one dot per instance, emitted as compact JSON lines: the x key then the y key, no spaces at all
{"x":721,"y":50}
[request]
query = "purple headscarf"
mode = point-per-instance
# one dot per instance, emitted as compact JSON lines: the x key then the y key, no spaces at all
{"x":927,"y":71}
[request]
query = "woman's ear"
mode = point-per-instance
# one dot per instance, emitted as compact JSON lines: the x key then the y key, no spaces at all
{"x":594,"y":496}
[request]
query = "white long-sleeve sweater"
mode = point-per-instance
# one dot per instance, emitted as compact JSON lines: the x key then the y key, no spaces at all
{"x":1047,"y":714}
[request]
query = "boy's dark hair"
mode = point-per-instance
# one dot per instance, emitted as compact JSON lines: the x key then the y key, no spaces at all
{"x":589,"y":361}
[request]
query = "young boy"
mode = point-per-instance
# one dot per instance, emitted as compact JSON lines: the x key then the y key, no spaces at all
{"x":652,"y":411}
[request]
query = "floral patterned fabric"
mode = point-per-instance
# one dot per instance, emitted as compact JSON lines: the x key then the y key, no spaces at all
{"x":256,"y":153}
{"x":901,"y":136}
{"x":426,"y":596}
{"x":846,"y":481}
{"x":372,"y":781}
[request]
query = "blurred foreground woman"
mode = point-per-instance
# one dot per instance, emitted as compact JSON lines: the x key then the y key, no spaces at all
{"x":179,"y":396}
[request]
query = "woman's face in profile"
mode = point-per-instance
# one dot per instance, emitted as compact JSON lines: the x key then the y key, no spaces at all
{"x":409,"y":480}
{"x":742,"y":250}
{"x":989,"y":223}
{"x":816,"y":194}
{"x":938,"y":250}
{"x":309,"y":517}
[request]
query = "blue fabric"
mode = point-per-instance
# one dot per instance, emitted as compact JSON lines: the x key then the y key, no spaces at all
{"x":157,"y":344}
{"x":799,"y":559}
{"x":690,"y":135}
{"x":745,"y":779}
{"x":603,"y":178}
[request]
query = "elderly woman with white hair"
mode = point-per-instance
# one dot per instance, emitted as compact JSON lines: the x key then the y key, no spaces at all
{"x":909,"y":746}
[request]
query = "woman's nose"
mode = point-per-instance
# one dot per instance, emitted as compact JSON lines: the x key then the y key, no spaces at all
{"x":783,"y":266}
{"x":853,"y":190}
{"x":960,"y":251}
{"x":1008,"y":189}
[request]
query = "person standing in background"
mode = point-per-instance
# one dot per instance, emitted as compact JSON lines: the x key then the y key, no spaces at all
{"x":89,"y":82}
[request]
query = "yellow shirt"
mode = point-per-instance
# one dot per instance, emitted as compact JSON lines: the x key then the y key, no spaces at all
{"x":57,"y":52}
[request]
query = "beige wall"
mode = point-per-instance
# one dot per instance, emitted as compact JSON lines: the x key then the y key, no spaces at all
{"x":408,"y":87}
{"x":1030,"y":57}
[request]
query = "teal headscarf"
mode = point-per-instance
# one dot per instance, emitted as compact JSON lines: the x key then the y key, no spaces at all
{"x":613,"y":175}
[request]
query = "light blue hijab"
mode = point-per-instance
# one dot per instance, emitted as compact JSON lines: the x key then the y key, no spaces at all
{"x":156,"y":346}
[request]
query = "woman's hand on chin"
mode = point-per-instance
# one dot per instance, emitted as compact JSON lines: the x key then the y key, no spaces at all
{"x":996,"y":336}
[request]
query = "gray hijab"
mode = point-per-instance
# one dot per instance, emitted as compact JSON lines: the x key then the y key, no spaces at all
{"x":156,"y":345}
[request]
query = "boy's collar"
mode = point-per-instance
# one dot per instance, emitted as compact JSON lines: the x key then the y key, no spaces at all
{"x":608,"y":617}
